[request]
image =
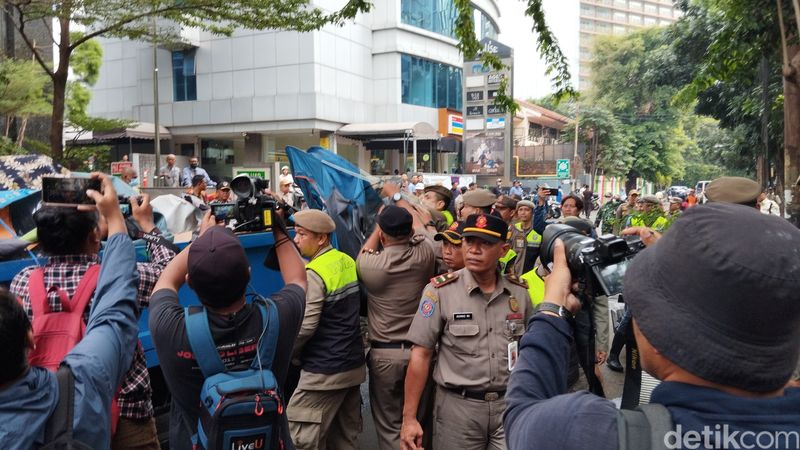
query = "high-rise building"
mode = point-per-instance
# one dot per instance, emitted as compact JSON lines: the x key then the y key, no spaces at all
{"x":604,"y":17}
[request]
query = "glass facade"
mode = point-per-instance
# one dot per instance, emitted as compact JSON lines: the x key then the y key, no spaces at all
{"x":484,"y":26}
{"x":438,"y":16}
{"x":429,"y":83}
{"x":184,"y":79}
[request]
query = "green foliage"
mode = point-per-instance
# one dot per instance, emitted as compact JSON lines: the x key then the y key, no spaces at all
{"x":614,"y":144}
{"x":78,"y":157}
{"x":22,"y":89}
{"x":8,"y":147}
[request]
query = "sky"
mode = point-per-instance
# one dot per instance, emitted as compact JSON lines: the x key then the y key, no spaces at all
{"x":530,"y":80}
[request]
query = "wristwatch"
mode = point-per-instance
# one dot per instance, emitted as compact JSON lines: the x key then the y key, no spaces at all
{"x":396,"y":197}
{"x":553,"y":308}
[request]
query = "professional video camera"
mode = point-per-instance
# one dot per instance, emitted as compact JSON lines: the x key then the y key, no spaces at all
{"x":597,"y":263}
{"x":252,"y":210}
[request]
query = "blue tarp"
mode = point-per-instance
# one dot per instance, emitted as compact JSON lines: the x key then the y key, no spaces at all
{"x":333,"y":184}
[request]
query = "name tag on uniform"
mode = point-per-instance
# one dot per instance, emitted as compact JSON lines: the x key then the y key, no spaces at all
{"x":514,"y":316}
{"x":462,"y":316}
{"x":513,"y":354}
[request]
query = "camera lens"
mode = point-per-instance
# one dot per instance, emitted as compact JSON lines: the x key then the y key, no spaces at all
{"x":574,"y":244}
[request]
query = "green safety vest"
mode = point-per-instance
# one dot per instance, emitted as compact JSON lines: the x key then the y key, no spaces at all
{"x":659,"y":224}
{"x":447,"y":216}
{"x":535,"y":286}
{"x":336,"y":345}
{"x":507,"y":259}
{"x":532,"y":237}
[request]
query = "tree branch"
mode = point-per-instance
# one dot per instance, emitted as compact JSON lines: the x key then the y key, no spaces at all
{"x":21,"y":29}
{"x":49,"y":29}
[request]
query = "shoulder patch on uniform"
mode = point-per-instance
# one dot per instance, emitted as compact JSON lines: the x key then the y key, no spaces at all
{"x":517,"y":280}
{"x":445,"y":278}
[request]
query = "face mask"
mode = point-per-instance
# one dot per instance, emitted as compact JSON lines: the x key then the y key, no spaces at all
{"x":193,"y":165}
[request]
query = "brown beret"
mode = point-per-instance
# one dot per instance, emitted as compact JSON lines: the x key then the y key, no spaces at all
{"x":733,"y":190}
{"x":651,"y":199}
{"x":315,"y":221}
{"x":479,"y":198}
{"x":439,"y":189}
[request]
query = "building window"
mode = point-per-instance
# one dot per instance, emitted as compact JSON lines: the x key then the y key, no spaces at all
{"x":636,"y":6}
{"x":484,"y":26}
{"x":620,"y":16}
{"x":184,"y":80}
{"x":431,"y":84}
{"x":438,"y":16}
{"x":604,"y":13}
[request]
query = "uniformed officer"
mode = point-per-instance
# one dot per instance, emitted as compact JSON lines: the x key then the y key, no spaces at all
{"x":476,"y":201}
{"x":651,"y":215}
{"x":506,"y":207}
{"x":525,"y":241}
{"x":475,"y":316}
{"x":437,"y":198}
{"x":739,"y":190}
{"x":452,"y":256}
{"x":325,"y":410}
{"x":394,"y":266}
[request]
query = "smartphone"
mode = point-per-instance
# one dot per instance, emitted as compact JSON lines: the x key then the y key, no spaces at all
{"x":554,"y":191}
{"x":223,"y":212}
{"x":58,"y":191}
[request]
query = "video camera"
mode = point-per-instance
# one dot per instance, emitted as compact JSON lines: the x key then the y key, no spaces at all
{"x":594,"y":262}
{"x":252,"y":210}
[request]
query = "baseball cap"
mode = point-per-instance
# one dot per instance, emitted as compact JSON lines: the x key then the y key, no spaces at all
{"x":699,"y":284}
{"x":487,"y":227}
{"x":218,"y":268}
{"x":224,"y":186}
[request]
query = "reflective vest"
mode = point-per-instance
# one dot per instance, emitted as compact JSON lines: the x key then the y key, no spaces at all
{"x":336,"y":345}
{"x":447,"y":216}
{"x":535,"y":286}
{"x":506,"y":260}
{"x":526,"y":248}
{"x":659,"y":224}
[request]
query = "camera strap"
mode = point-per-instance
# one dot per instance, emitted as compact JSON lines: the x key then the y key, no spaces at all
{"x":158,"y":239}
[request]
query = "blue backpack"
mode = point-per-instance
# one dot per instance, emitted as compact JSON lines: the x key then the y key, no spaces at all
{"x":238,"y":409}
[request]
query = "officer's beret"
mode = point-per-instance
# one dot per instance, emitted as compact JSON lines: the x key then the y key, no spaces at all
{"x":439,"y":189}
{"x":315,"y":221}
{"x":527,"y":203}
{"x":395,"y":221}
{"x":651,"y":199}
{"x":487,"y":227}
{"x":479,"y":198}
{"x":739,"y":190}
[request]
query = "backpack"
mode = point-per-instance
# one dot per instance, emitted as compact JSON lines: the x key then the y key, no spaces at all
{"x":239,"y":409}
{"x":58,"y":430}
{"x":644,"y":428}
{"x":55,"y":333}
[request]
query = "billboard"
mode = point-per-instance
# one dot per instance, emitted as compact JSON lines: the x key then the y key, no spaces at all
{"x":485,"y":153}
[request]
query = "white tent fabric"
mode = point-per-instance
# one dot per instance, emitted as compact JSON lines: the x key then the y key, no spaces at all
{"x":181,"y":216}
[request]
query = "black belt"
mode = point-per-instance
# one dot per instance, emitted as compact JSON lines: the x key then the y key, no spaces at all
{"x":487,"y":396}
{"x":401,"y":345}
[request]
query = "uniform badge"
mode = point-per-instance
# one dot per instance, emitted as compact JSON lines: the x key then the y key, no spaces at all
{"x":481,"y":222}
{"x":513,"y":303}
{"x":430,"y":295}
{"x":426,"y":308}
{"x":453,"y":226}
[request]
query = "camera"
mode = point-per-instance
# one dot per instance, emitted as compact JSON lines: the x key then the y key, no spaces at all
{"x":253,"y":210}
{"x":595,"y":262}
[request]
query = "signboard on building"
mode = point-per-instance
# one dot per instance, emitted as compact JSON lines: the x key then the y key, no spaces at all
{"x":474,"y":111}
{"x":487,"y":138}
{"x":455,"y":125}
{"x":119,"y":166}
{"x":562,"y":168}
{"x":253,"y":172}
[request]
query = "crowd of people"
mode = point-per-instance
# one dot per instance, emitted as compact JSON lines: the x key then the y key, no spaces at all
{"x":466,"y":338}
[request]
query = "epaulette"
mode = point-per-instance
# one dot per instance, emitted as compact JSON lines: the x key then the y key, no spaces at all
{"x":512,"y":278}
{"x":445,"y":278}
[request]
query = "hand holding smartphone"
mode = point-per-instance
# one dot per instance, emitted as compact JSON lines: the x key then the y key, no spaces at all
{"x":69,"y":191}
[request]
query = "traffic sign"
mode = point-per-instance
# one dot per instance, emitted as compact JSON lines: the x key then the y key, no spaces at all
{"x":562,"y":168}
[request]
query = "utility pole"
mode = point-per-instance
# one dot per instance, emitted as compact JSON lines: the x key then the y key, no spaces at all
{"x":157,"y":135}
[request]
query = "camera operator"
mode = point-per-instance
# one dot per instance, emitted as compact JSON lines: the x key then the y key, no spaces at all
{"x":718,"y":324}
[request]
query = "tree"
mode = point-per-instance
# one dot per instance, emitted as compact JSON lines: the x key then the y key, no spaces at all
{"x":22,"y":94}
{"x":135,"y":20}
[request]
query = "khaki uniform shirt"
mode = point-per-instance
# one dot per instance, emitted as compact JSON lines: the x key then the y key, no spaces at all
{"x":394,"y":278}
{"x":473,"y":330}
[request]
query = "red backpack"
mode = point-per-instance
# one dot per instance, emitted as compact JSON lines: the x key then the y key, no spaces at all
{"x":55,"y":333}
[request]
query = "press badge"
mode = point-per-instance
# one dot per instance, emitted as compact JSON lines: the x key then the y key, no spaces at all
{"x":513,"y":354}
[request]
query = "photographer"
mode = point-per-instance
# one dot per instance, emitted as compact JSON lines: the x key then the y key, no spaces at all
{"x":72,"y":240}
{"x":700,"y":314}
{"x":216,"y":268}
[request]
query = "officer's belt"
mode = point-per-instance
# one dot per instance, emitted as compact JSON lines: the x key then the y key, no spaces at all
{"x":401,"y":345}
{"x":478,"y":395}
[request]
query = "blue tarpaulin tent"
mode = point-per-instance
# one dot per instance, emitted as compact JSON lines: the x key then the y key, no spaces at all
{"x":333,"y":184}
